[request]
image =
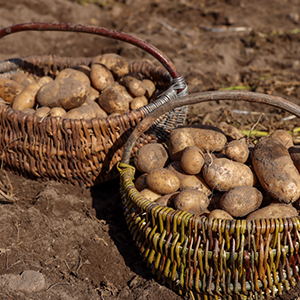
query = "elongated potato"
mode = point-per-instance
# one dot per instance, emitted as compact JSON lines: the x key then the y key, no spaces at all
{"x":241,"y":200}
{"x":150,"y":156}
{"x":134,"y":86}
{"x":84,"y":111}
{"x":27,"y":98}
{"x":275,"y":210}
{"x":206,"y":138}
{"x":9,"y":89}
{"x":162,"y":181}
{"x":223,"y":174}
{"x":192,"y":160}
{"x":275,"y":170}
{"x":101,"y":77}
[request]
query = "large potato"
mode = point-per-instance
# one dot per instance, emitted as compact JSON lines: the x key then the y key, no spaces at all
{"x":223,"y":174}
{"x":275,"y":210}
{"x":192,"y":160}
{"x":117,"y":64}
{"x":150,"y":156}
{"x":9,"y":89}
{"x":241,"y":200}
{"x":192,"y":201}
{"x":75,"y":74}
{"x":206,"y":138}
{"x":275,"y":170}
{"x":67,"y":93}
{"x":27,"y":98}
{"x":115,"y":99}
{"x":162,"y":181}
{"x":188,"y":181}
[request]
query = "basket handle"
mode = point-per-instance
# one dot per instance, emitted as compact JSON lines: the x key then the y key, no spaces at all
{"x":36,"y":26}
{"x":195,"y":98}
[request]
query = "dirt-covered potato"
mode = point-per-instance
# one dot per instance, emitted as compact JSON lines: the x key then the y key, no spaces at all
{"x":74,"y":74}
{"x":27,"y":98}
{"x":100,"y":113}
{"x":140,"y":182}
{"x":192,"y":201}
{"x":192,"y":160}
{"x":167,"y":200}
{"x":9,"y":89}
{"x":22,"y":78}
{"x":134,"y":86}
{"x":115,"y":99}
{"x":149,"y":87}
{"x":150,"y":156}
{"x":84,"y":69}
{"x":45,"y":79}
{"x":206,"y":138}
{"x":149,"y":194}
{"x":275,"y":170}
{"x":117,"y":64}
{"x":223,"y":174}
{"x":188,"y":181}
{"x":138,"y":102}
{"x":67,"y":93}
{"x":241,"y":200}
{"x":285,"y":138}
{"x":275,"y":210}
{"x":231,"y":132}
{"x":101,"y":77}
{"x":94,"y":94}
{"x":237,"y":150}
{"x":57,"y":112}
{"x":42,"y":112}
{"x":84,"y":111}
{"x":162,"y":181}
{"x":220,"y":214}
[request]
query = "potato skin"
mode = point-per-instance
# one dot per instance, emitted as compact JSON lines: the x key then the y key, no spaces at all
{"x":162,"y":181}
{"x":141,"y":183}
{"x":75,"y":74}
{"x":149,"y":87}
{"x":231,"y":132}
{"x":84,"y":111}
{"x":275,"y":170}
{"x":9,"y":89}
{"x":237,"y":150}
{"x":206,"y":138}
{"x":223,"y":174}
{"x":285,"y":138}
{"x":192,"y":160}
{"x":134,"y":86}
{"x":42,"y":111}
{"x":138,"y":102}
{"x":149,"y":194}
{"x":275,"y":210}
{"x":101,"y":77}
{"x":167,"y":200}
{"x":67,"y":93}
{"x":150,"y":156}
{"x":220,"y":214}
{"x":57,"y":112}
{"x":241,"y":200}
{"x":27,"y":98}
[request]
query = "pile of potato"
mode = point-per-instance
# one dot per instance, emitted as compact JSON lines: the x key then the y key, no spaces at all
{"x":107,"y":88}
{"x":216,"y":171}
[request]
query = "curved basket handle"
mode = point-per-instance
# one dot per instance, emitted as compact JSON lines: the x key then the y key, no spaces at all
{"x":164,"y":60}
{"x":145,"y":124}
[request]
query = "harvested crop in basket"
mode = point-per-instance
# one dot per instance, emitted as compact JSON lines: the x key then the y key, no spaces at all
{"x":105,"y":88}
{"x":217,"y":177}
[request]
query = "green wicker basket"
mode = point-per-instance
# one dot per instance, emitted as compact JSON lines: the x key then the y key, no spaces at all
{"x":211,"y":258}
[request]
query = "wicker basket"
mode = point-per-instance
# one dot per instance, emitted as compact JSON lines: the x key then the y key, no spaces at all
{"x":81,"y":152}
{"x":211,"y":258}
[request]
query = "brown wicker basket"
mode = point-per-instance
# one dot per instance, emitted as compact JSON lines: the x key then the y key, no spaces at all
{"x":212,"y":258}
{"x":81,"y":152}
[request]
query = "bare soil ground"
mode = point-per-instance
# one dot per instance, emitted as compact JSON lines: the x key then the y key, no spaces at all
{"x":77,"y":237}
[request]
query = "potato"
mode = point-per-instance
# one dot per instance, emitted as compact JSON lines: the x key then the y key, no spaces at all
{"x":141,"y":183}
{"x":9,"y":89}
{"x":74,"y":74}
{"x":57,"y":112}
{"x":29,"y":111}
{"x":42,"y":112}
{"x":276,"y":210}
{"x":84,"y":69}
{"x":189,"y":181}
{"x":99,"y":112}
{"x":117,"y":64}
{"x":220,"y":214}
{"x":285,"y":138}
{"x":115,"y":99}
{"x":192,"y":201}
{"x":149,"y":194}
{"x":275,"y":170}
{"x":231,"y":132}
{"x":150,"y":156}
{"x":223,"y":174}
{"x":134,"y":86}
{"x":101,"y":77}
{"x":84,"y":111}
{"x":167,"y":200}
{"x":94,"y":94}
{"x":138,"y":102}
{"x":45,"y":79}
{"x":192,"y":160}
{"x":22,"y":78}
{"x":237,"y":150}
{"x":241,"y":200}
{"x":206,"y":138}
{"x":149,"y":87}
{"x":162,"y":181}
{"x":27,"y":98}
{"x":67,"y":93}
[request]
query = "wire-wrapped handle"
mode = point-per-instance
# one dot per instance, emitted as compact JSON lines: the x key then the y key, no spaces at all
{"x":145,"y":124}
